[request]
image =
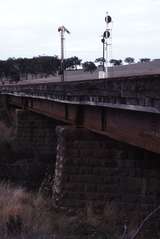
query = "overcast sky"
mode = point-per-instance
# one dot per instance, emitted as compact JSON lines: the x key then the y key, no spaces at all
{"x":29,"y":28}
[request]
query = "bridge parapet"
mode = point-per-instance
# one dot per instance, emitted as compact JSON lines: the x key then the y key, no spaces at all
{"x":140,"y":93}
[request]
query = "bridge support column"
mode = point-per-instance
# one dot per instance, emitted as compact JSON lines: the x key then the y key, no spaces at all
{"x":93,"y":168}
{"x":86,"y":168}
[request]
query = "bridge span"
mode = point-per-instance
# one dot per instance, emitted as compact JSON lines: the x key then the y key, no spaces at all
{"x":124,"y":108}
{"x":100,"y":141}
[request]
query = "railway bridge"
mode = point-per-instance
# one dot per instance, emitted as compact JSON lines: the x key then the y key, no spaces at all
{"x":102,"y":137}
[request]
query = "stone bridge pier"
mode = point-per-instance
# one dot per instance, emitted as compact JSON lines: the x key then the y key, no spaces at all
{"x":89,"y":168}
{"x":94,"y":168}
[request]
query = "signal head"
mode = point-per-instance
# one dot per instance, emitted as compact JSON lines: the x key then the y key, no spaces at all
{"x":106,"y":34}
{"x":108,"y":19}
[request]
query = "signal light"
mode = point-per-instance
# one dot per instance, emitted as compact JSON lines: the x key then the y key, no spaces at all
{"x":106,"y":34}
{"x":108,"y":19}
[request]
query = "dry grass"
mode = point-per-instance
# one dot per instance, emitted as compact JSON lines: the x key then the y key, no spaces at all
{"x":28,"y":212}
{"x":30,"y":215}
{"x":112,"y":222}
{"x":23,"y":213}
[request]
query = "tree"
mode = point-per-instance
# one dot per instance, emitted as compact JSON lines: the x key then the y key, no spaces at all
{"x":116,"y":62}
{"x":144,"y":60}
{"x":89,"y":66}
{"x":76,"y":62}
{"x":72,"y":62}
{"x":11,"y":69}
{"x":100,"y":60}
{"x":129,"y":60}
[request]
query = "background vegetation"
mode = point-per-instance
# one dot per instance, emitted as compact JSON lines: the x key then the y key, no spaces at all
{"x":14,"y":69}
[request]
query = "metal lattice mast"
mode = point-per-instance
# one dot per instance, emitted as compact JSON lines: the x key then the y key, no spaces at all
{"x":105,"y":41}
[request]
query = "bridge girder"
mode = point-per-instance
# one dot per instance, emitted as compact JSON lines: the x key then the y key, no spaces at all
{"x":141,"y":129}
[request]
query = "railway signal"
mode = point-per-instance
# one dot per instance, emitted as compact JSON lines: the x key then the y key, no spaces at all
{"x":105,"y":41}
{"x":62,"y":30}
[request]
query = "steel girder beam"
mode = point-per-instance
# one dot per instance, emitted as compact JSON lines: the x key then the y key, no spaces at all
{"x":141,"y":129}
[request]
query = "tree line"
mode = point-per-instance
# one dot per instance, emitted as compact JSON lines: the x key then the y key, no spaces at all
{"x":14,"y":68}
{"x":118,"y":62}
{"x":47,"y":65}
{"x":91,"y":66}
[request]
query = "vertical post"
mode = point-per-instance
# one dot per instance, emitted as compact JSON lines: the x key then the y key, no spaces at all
{"x":62,"y":29}
{"x":62,"y":55}
{"x":103,"y":41}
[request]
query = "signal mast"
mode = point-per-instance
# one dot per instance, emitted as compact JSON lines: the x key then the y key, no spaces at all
{"x":105,"y":40}
{"x":62,"y":30}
